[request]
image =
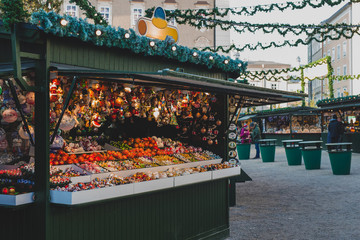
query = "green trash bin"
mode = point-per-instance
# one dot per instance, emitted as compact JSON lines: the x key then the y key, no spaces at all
{"x":243,"y":150}
{"x":311,"y":153}
{"x":267,"y":149}
{"x":292,"y":151}
{"x":340,"y":157}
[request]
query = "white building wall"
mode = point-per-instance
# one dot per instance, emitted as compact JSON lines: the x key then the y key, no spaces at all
{"x":355,"y":50}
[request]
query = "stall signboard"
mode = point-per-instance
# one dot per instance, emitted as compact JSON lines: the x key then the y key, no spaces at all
{"x":157,"y":27}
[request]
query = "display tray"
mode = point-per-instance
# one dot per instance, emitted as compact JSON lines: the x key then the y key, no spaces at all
{"x":192,"y":178}
{"x":85,"y":178}
{"x":87,"y":196}
{"x":16,"y":200}
{"x":224,"y":173}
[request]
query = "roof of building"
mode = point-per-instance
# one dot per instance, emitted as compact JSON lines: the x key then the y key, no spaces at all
{"x":337,"y":13}
{"x":202,"y":3}
{"x":267,"y":64}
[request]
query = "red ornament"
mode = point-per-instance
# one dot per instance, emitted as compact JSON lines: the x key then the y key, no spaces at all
{"x":5,"y":190}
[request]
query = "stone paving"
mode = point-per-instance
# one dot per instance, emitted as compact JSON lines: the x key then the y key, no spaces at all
{"x":289,"y":202}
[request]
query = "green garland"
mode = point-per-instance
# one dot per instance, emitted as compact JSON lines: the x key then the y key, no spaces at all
{"x":331,"y":101}
{"x":90,"y":11}
{"x":269,"y":28}
{"x":128,"y":39}
{"x":261,"y":75}
{"x":292,"y":43}
{"x":249,"y":11}
{"x":346,"y":77}
{"x":329,"y":76}
{"x":12,"y":11}
{"x":280,"y":110}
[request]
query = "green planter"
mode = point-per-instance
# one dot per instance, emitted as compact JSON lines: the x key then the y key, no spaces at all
{"x":312,"y":158}
{"x":243,"y":151}
{"x":293,"y":156}
{"x":267,"y":153}
{"x":340,"y":162}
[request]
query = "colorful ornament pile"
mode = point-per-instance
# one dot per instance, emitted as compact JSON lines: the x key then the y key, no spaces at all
{"x":21,"y":179}
{"x":114,"y":180}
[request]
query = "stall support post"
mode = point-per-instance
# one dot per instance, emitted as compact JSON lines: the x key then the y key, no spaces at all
{"x":42,"y":165}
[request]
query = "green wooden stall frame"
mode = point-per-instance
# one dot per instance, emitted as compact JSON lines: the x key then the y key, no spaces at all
{"x":196,"y":211}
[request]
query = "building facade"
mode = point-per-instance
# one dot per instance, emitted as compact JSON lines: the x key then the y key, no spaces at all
{"x":344,"y":55}
{"x":125,"y":13}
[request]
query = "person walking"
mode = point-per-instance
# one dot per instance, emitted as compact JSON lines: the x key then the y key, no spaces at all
{"x":333,"y":130}
{"x":244,"y":134}
{"x":255,"y":137}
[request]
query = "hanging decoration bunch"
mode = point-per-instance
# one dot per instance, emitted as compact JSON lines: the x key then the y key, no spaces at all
{"x":67,"y":26}
{"x":249,"y":10}
{"x":90,"y":11}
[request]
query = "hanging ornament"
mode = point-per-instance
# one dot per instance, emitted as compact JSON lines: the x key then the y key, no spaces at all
{"x":203,"y":130}
{"x":9,"y":116}
{"x":68,"y":122}
{"x":198,"y":115}
{"x":30,"y":98}
{"x":218,"y":122}
{"x":205,"y":118}
{"x":23,"y":133}
{"x":210,"y":142}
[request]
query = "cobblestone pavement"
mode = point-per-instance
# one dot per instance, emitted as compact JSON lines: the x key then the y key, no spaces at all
{"x":289,"y":202}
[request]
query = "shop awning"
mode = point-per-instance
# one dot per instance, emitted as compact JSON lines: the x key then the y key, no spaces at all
{"x":246,"y":117}
{"x":253,"y":96}
{"x":340,"y":106}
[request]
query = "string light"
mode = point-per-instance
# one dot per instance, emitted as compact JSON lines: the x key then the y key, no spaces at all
{"x":226,"y":61}
{"x":173,"y":48}
{"x":195,"y":54}
{"x":152,"y":44}
{"x":98,"y":32}
{"x":127,"y":35}
{"x":63,"y":22}
{"x":211,"y":58}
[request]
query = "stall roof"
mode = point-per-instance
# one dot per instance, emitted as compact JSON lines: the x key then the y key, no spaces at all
{"x":340,"y":106}
{"x":253,"y":96}
{"x":246,"y":117}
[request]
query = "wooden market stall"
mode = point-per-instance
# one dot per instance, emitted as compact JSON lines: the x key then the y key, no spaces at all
{"x":348,"y":108}
{"x":60,"y":64}
{"x":288,"y":123}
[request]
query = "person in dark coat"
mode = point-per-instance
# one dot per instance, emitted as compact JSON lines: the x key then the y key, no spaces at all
{"x":333,"y":130}
{"x":341,"y":130}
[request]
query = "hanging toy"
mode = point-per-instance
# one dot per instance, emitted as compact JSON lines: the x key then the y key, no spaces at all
{"x":53,"y":91}
{"x":23,"y":133}
{"x":9,"y":116}
{"x":218,"y":122}
{"x":68,"y":122}
{"x":30,"y":98}
{"x":96,"y":120}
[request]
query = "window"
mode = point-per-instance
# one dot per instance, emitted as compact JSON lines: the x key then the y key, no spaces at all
{"x":333,"y":54}
{"x":324,"y":55}
{"x":328,"y":53}
{"x":273,"y":86}
{"x":136,"y":13}
{"x":338,"y":92}
{"x":344,"y":70}
{"x":105,"y":11}
{"x":344,"y":49}
{"x":338,"y":52}
{"x":71,"y":10}
{"x":338,"y":71}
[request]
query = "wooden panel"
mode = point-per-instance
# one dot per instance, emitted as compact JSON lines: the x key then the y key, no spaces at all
{"x":181,"y":213}
{"x":75,"y":52}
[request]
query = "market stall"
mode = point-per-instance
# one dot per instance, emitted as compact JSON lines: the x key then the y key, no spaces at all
{"x":132,"y":149}
{"x":348,"y":108}
{"x":288,"y":123}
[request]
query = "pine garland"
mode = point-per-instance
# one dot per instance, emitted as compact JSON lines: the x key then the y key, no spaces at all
{"x":248,"y":10}
{"x":90,"y":11}
{"x":331,"y":101}
{"x":128,"y":39}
